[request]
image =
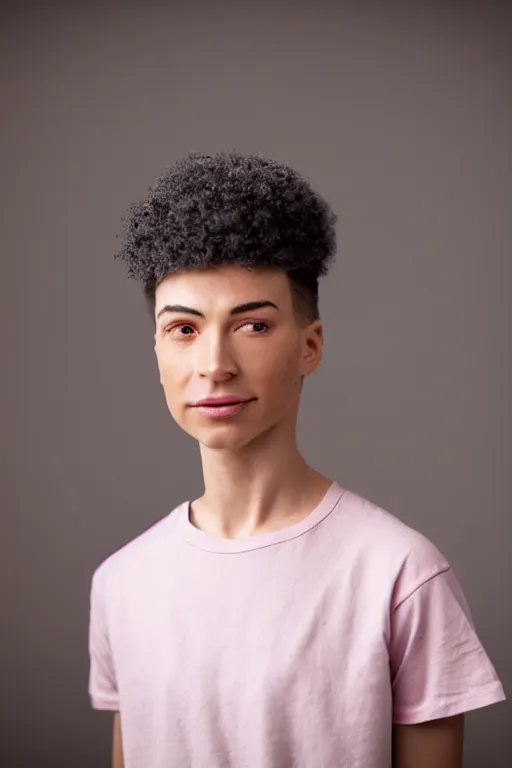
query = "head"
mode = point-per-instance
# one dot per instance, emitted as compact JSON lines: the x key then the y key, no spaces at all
{"x":229,"y":250}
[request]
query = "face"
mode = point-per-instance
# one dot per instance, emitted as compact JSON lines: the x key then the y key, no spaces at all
{"x":232,"y":333}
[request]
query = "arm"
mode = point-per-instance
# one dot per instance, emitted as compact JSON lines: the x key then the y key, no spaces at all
{"x":433,"y":744}
{"x":117,"y":746}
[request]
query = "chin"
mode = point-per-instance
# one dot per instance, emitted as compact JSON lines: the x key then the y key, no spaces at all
{"x":223,"y":439}
{"x":229,"y":436}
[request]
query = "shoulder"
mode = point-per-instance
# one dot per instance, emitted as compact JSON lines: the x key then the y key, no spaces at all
{"x":384,"y":544}
{"x":375,"y":526}
{"x":138,"y":556}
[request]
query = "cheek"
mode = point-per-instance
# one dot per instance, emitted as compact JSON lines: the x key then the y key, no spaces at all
{"x":171,"y":366}
{"x":171,"y":382}
{"x":280,"y":366}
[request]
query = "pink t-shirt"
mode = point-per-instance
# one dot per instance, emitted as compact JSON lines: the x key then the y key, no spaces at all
{"x":298,"y":648}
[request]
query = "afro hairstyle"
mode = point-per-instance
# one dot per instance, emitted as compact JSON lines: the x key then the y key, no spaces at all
{"x":230,"y":208}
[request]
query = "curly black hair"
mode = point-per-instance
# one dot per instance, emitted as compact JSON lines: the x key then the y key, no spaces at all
{"x":230,"y":208}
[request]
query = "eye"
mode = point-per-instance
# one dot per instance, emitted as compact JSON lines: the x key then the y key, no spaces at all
{"x":259,"y":327}
{"x":180,"y":331}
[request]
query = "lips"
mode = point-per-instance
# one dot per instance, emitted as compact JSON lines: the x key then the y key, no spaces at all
{"x":221,"y":407}
{"x":217,"y":402}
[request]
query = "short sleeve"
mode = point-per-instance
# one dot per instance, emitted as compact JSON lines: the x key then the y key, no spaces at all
{"x":439,"y":667}
{"x":103,"y":691}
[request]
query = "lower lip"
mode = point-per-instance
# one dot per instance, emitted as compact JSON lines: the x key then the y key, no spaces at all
{"x":221,"y":411}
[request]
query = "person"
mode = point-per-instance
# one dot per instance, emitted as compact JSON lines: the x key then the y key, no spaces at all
{"x":280,"y":620}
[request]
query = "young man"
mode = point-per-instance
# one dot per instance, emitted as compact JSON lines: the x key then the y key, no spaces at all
{"x":279,"y":620}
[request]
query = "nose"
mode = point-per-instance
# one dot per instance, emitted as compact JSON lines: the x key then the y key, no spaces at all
{"x":214,"y":357}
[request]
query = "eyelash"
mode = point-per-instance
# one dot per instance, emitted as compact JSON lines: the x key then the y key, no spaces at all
{"x":171,"y":328}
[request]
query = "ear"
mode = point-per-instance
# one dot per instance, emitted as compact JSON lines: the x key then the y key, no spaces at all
{"x":312,"y":346}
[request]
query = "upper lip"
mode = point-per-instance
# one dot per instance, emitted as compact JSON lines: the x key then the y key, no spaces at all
{"x":226,"y":400}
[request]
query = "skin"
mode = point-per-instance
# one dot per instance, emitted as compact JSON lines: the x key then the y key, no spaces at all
{"x":434,"y":744}
{"x":253,"y":471}
{"x":117,"y":743}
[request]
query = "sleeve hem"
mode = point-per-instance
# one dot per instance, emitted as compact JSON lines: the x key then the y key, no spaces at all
{"x":491,"y":695}
{"x":105,"y":704}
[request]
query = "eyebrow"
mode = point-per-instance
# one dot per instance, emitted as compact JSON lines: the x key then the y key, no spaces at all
{"x":238,"y":310}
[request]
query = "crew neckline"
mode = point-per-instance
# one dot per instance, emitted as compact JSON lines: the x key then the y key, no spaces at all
{"x":209,"y":543}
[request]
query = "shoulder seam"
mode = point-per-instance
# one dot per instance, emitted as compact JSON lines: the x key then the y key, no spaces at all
{"x":438,"y":572}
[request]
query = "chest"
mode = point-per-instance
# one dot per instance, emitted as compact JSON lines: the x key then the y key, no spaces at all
{"x":247,"y":629}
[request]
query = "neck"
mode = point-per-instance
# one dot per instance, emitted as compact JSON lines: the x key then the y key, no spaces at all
{"x":263,"y":487}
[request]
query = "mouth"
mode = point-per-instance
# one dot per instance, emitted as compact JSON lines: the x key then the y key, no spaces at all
{"x":222,"y":400}
{"x":218,"y":404}
{"x":221,"y":409}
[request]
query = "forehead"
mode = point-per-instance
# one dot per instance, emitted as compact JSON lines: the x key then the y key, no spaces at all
{"x":221,"y":288}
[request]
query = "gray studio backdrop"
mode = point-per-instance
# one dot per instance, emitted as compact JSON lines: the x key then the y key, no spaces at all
{"x":402,"y":118}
